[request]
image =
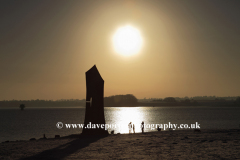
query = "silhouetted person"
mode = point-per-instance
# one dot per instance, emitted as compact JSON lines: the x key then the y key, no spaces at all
{"x":133,"y":128}
{"x":158,"y":128}
{"x":44,"y":136}
{"x":142,"y":126}
{"x":130,"y":127}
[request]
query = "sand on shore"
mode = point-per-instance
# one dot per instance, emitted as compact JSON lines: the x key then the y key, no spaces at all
{"x":180,"y":144}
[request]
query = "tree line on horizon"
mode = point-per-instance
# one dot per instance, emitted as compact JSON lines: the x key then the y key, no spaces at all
{"x":111,"y":101}
{"x":120,"y":101}
{"x":171,"y":101}
{"x":115,"y":101}
{"x":197,"y":98}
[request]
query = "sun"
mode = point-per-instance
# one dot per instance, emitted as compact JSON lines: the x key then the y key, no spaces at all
{"x":127,"y":40}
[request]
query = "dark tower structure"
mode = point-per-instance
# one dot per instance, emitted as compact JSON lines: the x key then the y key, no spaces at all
{"x":94,"y":113}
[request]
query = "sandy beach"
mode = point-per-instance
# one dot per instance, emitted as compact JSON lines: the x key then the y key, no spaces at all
{"x":181,"y":144}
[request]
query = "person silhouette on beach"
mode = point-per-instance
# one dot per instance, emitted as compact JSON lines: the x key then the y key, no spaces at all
{"x":142,"y":126}
{"x":133,"y":128}
{"x":130,"y":127}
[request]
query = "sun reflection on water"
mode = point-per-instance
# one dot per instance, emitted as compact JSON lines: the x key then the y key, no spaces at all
{"x":125,"y":115}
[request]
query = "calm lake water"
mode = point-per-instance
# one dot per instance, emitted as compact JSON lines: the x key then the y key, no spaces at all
{"x":34,"y":122}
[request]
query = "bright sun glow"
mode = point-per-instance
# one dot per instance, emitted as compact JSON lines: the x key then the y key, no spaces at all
{"x":127,"y":40}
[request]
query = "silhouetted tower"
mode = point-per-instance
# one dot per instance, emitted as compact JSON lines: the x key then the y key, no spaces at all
{"x":94,"y":103}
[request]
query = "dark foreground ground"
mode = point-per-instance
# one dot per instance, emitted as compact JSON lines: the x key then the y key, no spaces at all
{"x":181,"y":144}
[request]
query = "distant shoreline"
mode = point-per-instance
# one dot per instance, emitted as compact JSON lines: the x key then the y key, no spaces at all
{"x":64,"y":107}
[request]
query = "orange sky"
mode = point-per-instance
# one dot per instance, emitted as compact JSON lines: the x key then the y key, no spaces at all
{"x":191,"y":48}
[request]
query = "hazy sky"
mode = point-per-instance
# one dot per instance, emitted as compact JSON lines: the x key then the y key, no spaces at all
{"x":190,"y":48}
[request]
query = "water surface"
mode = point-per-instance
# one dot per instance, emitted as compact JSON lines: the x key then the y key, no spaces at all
{"x":34,"y":122}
